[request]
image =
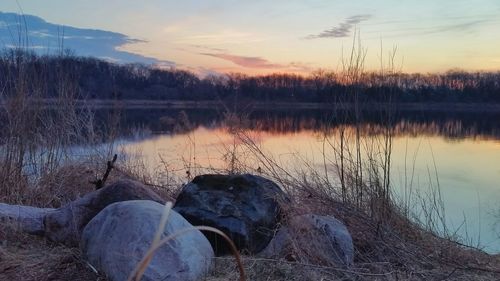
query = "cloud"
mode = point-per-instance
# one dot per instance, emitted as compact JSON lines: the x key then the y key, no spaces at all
{"x":344,"y":29}
{"x":249,"y":62}
{"x":204,"y":72}
{"x":222,"y":37}
{"x":461,"y":27}
{"x":464,"y":27}
{"x":260,"y":63}
{"x":47,"y":38}
{"x":204,"y":47}
{"x":300,"y":66}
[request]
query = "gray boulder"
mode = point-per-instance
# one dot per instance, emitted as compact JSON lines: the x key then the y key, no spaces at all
{"x":66,"y":224}
{"x":117,"y":238}
{"x":312,"y":239}
{"x":244,"y":207}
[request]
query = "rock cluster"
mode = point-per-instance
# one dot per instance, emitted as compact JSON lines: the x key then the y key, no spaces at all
{"x":115,"y":227}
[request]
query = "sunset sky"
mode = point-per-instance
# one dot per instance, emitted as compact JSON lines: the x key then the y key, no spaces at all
{"x":258,"y":36}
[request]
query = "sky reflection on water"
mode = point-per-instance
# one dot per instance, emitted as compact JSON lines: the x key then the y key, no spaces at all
{"x":466,"y":169}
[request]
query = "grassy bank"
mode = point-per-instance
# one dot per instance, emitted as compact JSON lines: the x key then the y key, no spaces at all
{"x":388,"y":245}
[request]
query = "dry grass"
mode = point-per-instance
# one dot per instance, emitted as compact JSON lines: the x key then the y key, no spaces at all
{"x":53,"y":190}
{"x":36,"y":143}
{"x":31,"y":258}
{"x":388,"y":247}
{"x":282,"y":270}
{"x":73,"y":180}
{"x":397,"y":249}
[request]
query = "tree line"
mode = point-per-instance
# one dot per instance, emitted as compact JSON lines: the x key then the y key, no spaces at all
{"x":93,"y":78}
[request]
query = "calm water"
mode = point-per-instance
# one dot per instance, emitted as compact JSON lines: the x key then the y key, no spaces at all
{"x":458,"y":152}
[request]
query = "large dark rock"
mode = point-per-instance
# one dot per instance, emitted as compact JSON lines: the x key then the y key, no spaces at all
{"x":245,"y":207}
{"x":117,"y":239}
{"x":66,"y":223}
{"x":314,"y":239}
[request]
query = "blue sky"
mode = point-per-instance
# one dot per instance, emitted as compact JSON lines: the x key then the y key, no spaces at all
{"x":270,"y":36}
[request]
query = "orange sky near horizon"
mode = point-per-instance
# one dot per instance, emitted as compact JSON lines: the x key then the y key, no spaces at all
{"x":261,"y":37}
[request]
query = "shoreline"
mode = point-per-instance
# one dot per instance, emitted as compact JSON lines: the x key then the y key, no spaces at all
{"x":368,"y":106}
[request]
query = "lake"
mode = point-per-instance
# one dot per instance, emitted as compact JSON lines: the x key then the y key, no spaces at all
{"x":456,"y":155}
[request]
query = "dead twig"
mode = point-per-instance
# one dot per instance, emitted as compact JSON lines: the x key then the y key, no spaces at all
{"x":99,"y":183}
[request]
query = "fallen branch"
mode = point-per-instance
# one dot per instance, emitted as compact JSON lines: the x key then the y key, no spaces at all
{"x":99,"y":183}
{"x":25,"y":218}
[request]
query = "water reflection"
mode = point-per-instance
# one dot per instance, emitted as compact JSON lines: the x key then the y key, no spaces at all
{"x":459,"y":153}
{"x":456,"y":125}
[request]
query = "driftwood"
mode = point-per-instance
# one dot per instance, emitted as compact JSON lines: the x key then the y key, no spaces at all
{"x":66,"y":224}
{"x":25,"y":218}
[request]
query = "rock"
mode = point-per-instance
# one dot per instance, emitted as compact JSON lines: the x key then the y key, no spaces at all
{"x":245,"y":207}
{"x":66,"y":224}
{"x":313,"y":239}
{"x":117,"y":238}
{"x":25,"y":218}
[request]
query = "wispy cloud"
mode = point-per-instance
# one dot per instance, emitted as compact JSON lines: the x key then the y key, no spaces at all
{"x":455,"y":25}
{"x":204,"y":47}
{"x":259,"y":62}
{"x":344,"y":29}
{"x":250,"y":62}
{"x":204,"y":72}
{"x":45,"y":38}
{"x":462,"y":27}
{"x":222,"y":37}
